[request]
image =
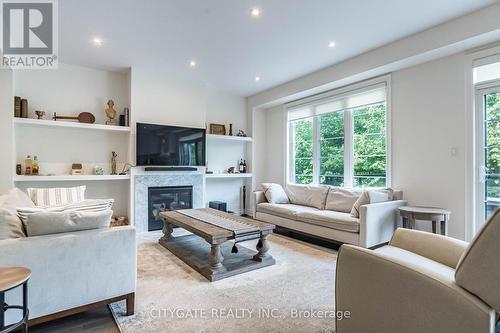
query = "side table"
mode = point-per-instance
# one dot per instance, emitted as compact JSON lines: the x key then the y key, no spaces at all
{"x":438,"y":216}
{"x":10,"y":278}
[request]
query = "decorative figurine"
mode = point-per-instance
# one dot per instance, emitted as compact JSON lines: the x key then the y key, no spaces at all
{"x":113,"y":163}
{"x":111,"y":113}
{"x":241,"y":133}
{"x":40,"y":114}
{"x":230,"y":129}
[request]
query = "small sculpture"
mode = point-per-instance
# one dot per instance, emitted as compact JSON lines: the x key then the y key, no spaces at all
{"x":241,"y":133}
{"x":113,"y":163}
{"x":111,"y":113}
{"x":40,"y":114}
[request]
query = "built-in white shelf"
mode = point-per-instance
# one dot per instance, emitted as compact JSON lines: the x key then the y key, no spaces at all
{"x":228,"y":175}
{"x":71,"y":124}
{"x":229,"y":138}
{"x":60,"y":178}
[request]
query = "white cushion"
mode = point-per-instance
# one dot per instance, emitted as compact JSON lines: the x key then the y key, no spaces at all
{"x":288,"y":211}
{"x":45,"y":223}
{"x":330,"y":219}
{"x":307,"y":195}
{"x":275,"y":193}
{"x":342,"y":199}
{"x":89,"y":205}
{"x":50,"y":197}
{"x":371,"y":196}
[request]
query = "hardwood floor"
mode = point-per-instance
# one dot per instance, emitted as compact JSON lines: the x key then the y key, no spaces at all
{"x":98,"y":320}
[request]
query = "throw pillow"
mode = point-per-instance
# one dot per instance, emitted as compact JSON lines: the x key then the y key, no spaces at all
{"x":89,"y":205}
{"x":10,"y":224}
{"x":342,"y":199}
{"x":307,"y":195}
{"x":15,"y":198}
{"x":45,"y":223}
{"x":275,"y":193}
{"x":369,"y":197}
{"x":48,"y":197}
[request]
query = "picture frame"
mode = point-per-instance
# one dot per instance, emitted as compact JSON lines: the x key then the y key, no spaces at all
{"x":218,"y":129}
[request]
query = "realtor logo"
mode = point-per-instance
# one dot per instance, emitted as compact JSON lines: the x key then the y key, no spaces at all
{"x":29,"y":34}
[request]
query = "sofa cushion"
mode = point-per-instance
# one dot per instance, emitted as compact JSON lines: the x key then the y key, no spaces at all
{"x":479,"y":268}
{"x":45,"y":223}
{"x":275,"y":193}
{"x":371,"y":196}
{"x":288,"y":211}
{"x":49,"y":197}
{"x":307,"y":195}
{"x":342,"y":199}
{"x":11,"y":225}
{"x":330,"y":219}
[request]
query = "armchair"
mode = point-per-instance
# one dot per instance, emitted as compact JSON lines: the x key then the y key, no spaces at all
{"x":421,"y":282}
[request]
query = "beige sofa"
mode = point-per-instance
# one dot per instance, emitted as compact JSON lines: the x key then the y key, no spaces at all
{"x":307,"y":212}
{"x":421,"y":282}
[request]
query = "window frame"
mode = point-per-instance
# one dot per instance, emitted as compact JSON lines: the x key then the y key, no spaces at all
{"x":348,"y":135}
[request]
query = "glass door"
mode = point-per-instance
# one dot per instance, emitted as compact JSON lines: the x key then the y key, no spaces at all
{"x":488,"y":151}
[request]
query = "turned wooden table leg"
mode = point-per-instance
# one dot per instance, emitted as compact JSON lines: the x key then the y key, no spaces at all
{"x":215,"y":257}
{"x":168,"y":228}
{"x":262,"y":247}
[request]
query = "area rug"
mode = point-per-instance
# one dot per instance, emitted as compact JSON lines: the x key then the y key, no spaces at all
{"x":294,"y":295}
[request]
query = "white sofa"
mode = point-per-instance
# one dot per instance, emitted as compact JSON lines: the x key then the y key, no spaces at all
{"x":375,"y":225}
{"x":73,"y":271}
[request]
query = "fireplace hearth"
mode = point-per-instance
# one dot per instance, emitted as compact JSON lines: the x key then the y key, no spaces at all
{"x":166,"y":198}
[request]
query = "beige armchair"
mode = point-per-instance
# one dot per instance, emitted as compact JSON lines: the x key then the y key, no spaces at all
{"x":421,"y":282}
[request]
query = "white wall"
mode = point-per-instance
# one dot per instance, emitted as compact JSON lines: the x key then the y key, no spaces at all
{"x":72,"y":89}
{"x":164,"y":98}
{"x":428,"y":122}
{"x":7,"y":164}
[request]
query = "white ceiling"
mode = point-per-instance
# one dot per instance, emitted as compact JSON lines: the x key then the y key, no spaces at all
{"x":289,"y":40}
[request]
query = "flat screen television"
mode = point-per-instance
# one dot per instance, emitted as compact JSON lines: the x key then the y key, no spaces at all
{"x":160,"y":145}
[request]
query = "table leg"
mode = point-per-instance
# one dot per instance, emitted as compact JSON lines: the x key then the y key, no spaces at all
{"x":405,"y":222}
{"x":444,"y":225}
{"x":168,"y":228}
{"x":434,"y":227}
{"x":2,"y":311}
{"x":262,"y":247}
{"x":25,"y":306}
{"x":215,"y":258}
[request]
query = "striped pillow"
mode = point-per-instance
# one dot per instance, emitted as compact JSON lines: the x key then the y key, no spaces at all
{"x":49,"y":197}
{"x":89,"y":205}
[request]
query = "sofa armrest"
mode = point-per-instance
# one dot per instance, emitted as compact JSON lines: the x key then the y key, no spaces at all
{"x":445,"y":250}
{"x":258,"y":197}
{"x":388,"y":295}
{"x":377,"y":222}
{"x":73,"y":269}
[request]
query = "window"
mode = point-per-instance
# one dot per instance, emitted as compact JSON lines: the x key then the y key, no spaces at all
{"x":340,"y":138}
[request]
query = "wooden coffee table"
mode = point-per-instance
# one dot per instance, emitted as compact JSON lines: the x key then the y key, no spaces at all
{"x":208,"y":251}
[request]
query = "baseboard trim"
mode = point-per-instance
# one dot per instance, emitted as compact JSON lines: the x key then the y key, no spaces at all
{"x":129,"y":298}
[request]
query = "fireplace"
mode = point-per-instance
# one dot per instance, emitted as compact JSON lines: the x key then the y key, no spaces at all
{"x":167,"y":198}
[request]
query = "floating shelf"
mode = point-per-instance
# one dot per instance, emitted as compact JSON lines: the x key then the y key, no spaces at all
{"x":228,"y":175}
{"x":60,"y":123}
{"x":229,"y":138}
{"x":69,"y":178}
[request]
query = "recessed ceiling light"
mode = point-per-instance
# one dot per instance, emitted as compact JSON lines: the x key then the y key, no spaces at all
{"x":255,"y":12}
{"x":192,"y":64}
{"x":257,"y":78}
{"x":97,"y":41}
{"x":331,"y":44}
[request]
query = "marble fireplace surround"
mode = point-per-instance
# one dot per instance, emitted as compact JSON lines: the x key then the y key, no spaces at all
{"x":142,"y":182}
